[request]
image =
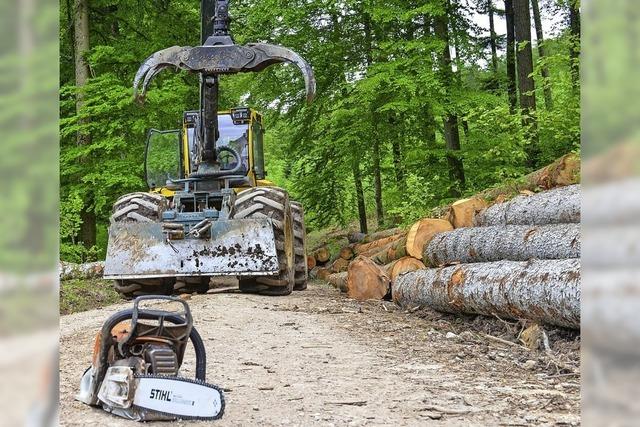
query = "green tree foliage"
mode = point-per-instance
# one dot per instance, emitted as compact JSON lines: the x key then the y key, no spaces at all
{"x":378,"y":80}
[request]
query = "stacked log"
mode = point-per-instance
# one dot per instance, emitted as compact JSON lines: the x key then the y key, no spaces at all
{"x":560,"y":205}
{"x":422,"y":232}
{"x":462,"y":212}
{"x":544,"y":291}
{"x":367,"y":280}
{"x":511,"y":242}
{"x":70,"y":271}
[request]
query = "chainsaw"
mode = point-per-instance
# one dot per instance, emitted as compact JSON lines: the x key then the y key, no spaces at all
{"x":136,"y":361}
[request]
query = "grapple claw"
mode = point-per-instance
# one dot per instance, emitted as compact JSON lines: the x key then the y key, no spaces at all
{"x":153,"y":65}
{"x":221,"y":59}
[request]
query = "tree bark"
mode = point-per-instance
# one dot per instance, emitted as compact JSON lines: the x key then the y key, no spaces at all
{"x":462,"y":212}
{"x":526,"y":85}
{"x":511,"y":242}
{"x":544,"y":71}
{"x":422,"y":232}
{"x":557,"y":206}
{"x":492,"y":37}
{"x":82,"y":73}
{"x":357,"y":179}
{"x":543,"y":291}
{"x":574,"y":53}
{"x":511,"y":57}
{"x":366,"y":280}
{"x":450,"y":119}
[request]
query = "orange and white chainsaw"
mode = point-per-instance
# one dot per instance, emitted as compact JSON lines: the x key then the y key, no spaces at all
{"x":136,"y":361}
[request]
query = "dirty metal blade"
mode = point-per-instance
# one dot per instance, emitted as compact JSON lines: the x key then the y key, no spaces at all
{"x":236,"y":248}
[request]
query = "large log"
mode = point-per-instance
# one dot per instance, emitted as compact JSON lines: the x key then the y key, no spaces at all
{"x":510,"y":242}
{"x":366,"y":280}
{"x":422,"y":232}
{"x":381,"y":234}
{"x":544,"y":291}
{"x":370,"y":247}
{"x":347,"y":253}
{"x":462,"y":212}
{"x":564,"y":171}
{"x":90,"y":270}
{"x":560,"y":205}
{"x":322,"y":273}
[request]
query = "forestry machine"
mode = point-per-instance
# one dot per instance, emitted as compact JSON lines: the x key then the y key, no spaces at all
{"x":209,"y":212}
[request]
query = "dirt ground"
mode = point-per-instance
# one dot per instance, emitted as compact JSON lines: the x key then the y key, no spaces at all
{"x":317,"y":358}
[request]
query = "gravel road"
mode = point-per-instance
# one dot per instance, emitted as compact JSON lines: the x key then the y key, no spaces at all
{"x":317,"y":358}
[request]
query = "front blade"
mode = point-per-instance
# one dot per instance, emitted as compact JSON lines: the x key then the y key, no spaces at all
{"x":178,"y":397}
{"x":244,"y":247}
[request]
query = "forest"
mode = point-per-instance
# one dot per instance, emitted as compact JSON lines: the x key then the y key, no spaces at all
{"x":419,"y":102}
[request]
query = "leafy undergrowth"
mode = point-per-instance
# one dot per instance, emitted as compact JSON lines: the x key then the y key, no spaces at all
{"x":86,"y":294}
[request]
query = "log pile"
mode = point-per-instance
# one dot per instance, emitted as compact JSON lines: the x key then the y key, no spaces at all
{"x":515,"y":259}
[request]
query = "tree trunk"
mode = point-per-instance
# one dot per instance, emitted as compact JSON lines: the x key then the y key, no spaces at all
{"x":366,"y":280}
{"x":511,"y":242}
{"x":450,"y":120}
{"x":422,"y":232}
{"x":82,"y":73}
{"x":347,"y":253}
{"x":548,"y":98}
{"x":492,"y":37}
{"x":526,"y":85}
{"x":511,"y":57}
{"x":544,"y":291}
{"x":462,"y":212}
{"x":574,"y":53}
{"x":311,"y":262}
{"x":377,"y":180}
{"x":557,"y":206}
{"x":398,"y":165}
{"x":357,"y":179}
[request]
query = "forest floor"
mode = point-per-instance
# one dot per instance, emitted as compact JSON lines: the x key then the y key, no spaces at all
{"x":317,"y":358}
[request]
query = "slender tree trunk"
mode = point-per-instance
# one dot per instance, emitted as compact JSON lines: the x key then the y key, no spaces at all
{"x":357,"y":179}
{"x":548,"y":98}
{"x":492,"y":37}
{"x":450,"y":120}
{"x":377,"y":178}
{"x":511,"y":57}
{"x":398,"y":165}
{"x":574,"y":27}
{"x":526,"y":85}
{"x":81,"y":47}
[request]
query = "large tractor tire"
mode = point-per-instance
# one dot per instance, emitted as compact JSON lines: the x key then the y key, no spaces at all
{"x":270,"y":202}
{"x":300,"y":247}
{"x":141,"y":207}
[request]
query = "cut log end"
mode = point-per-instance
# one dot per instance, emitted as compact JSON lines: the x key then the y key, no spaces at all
{"x":422,"y":232}
{"x":462,"y":212}
{"x":366,"y":280}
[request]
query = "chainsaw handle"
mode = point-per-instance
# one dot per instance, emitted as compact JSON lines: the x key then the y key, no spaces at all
{"x":186,"y":312}
{"x":105,"y":336}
